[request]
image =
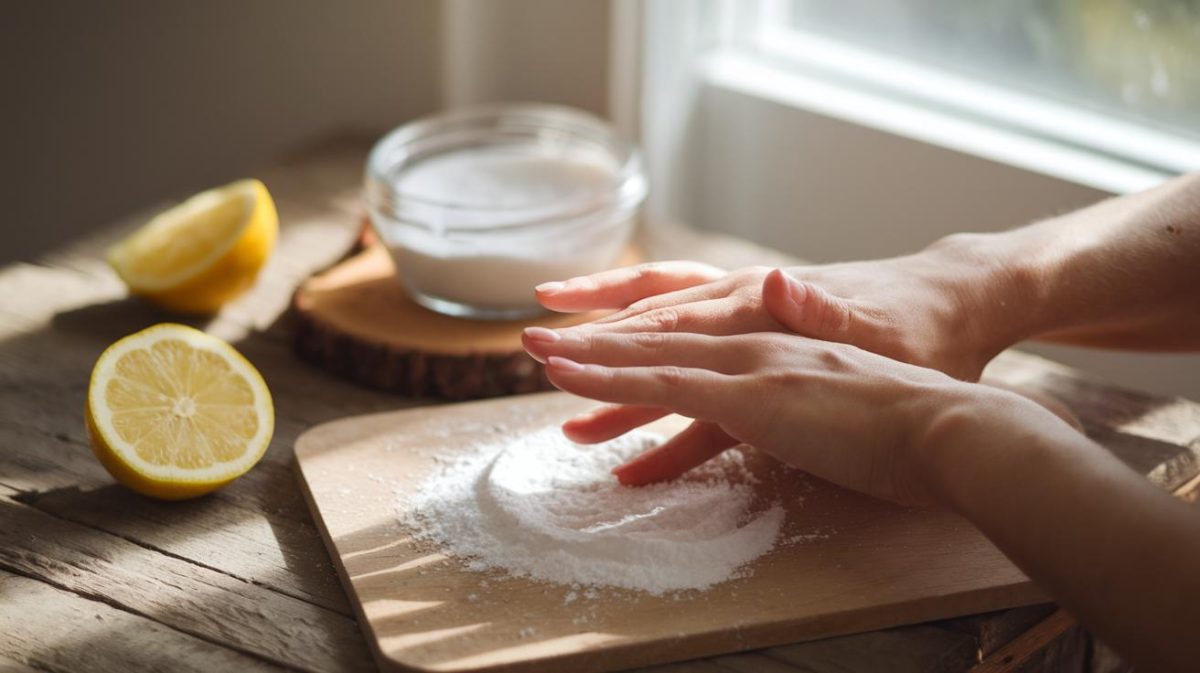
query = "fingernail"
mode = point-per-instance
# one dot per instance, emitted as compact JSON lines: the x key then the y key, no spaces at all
{"x":542,"y":334}
{"x":563,"y":364}
{"x":549,"y":288}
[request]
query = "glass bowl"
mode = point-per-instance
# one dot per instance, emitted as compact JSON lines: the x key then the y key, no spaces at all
{"x":479,"y":205}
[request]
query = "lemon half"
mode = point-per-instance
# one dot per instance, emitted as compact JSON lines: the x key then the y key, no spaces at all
{"x":200,"y":254}
{"x":174,"y":413}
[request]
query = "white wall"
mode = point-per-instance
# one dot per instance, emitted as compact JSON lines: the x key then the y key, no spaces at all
{"x":553,"y":51}
{"x":112,"y":106}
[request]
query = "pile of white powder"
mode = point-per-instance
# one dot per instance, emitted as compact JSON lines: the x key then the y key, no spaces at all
{"x":545,"y":508}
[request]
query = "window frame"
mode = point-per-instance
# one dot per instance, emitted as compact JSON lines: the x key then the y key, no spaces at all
{"x":748,"y":47}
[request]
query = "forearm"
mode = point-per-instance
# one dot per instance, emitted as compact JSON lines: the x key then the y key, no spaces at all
{"x":1124,"y":273}
{"x":1111,"y":548}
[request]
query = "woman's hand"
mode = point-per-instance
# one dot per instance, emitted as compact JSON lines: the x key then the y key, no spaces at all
{"x":933,"y":309}
{"x":846,"y":415}
{"x":928,"y":309}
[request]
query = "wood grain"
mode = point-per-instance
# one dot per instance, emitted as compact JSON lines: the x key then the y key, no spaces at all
{"x":185,"y":596}
{"x":1030,"y":652}
{"x":43,"y":628}
{"x":862,"y":564}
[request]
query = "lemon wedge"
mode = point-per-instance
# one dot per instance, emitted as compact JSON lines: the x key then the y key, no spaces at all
{"x":203,"y":252}
{"x":174,"y":413}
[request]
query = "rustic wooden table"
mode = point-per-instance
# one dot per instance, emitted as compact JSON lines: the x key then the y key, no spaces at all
{"x":96,"y":578}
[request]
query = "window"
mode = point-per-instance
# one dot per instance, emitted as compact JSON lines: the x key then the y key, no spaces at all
{"x":1135,"y":59}
{"x":1105,"y":93}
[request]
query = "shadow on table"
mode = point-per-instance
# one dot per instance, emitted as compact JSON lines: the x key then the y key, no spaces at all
{"x":111,"y":320}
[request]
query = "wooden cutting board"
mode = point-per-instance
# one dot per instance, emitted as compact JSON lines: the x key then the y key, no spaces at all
{"x":848,"y":563}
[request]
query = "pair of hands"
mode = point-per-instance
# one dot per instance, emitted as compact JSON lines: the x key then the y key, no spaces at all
{"x":814,"y":365}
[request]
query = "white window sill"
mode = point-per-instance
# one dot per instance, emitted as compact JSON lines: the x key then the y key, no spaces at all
{"x":950,"y":122}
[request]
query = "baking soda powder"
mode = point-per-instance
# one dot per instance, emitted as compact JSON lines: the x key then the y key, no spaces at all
{"x":545,"y":508}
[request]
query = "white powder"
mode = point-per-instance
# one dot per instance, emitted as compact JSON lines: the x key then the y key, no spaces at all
{"x":471,"y":254}
{"x":549,"y":509}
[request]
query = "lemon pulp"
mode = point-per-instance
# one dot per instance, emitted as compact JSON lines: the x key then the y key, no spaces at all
{"x":176,"y":413}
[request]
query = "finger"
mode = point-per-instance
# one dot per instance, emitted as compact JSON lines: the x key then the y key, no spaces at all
{"x":805,"y":308}
{"x":726,"y":355}
{"x":618,"y":288}
{"x":714,"y":317}
{"x":696,"y":393}
{"x":605,"y":423}
{"x":711,"y":290}
{"x":696,"y":444}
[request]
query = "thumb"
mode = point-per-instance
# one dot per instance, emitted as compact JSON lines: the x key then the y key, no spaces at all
{"x":805,"y":308}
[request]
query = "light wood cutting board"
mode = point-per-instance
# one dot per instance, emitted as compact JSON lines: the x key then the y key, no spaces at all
{"x":848,"y":564}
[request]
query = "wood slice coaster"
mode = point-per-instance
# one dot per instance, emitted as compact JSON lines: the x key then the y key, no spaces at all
{"x":356,"y":321}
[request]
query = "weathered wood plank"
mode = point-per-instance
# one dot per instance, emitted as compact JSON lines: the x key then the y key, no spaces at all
{"x":993,"y":630}
{"x":256,"y":529}
{"x":1099,"y":404}
{"x":919,"y":649}
{"x":694,"y":666}
{"x":182,"y":595}
{"x":46,"y":629}
{"x":1190,"y":492}
{"x":1055,"y":644}
{"x":1156,"y":436}
{"x":10,"y":665}
{"x":753,"y":662}
{"x":273,"y":552}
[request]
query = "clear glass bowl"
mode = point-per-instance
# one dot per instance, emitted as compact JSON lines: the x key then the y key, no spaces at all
{"x":477,"y":206}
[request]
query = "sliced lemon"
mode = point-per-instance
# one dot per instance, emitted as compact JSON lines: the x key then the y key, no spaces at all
{"x":174,"y":413}
{"x":200,"y":254}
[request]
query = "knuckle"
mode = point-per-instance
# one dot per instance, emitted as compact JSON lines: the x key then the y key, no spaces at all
{"x":748,"y":281}
{"x":772,"y":343}
{"x":639,"y":306}
{"x":663,"y":320}
{"x":754,"y":271}
{"x":834,"y":358}
{"x":758,"y":350}
{"x":583,"y":343}
{"x":651,"y":341}
{"x":784,"y":381}
{"x":672,"y":376}
{"x":586,"y":283}
{"x":835,"y":317}
{"x":650,"y":271}
{"x":654,"y":271}
{"x":747,"y":308}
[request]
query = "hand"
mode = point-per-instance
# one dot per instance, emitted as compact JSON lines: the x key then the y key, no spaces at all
{"x":928,"y":309}
{"x":846,"y":415}
{"x":920,"y":309}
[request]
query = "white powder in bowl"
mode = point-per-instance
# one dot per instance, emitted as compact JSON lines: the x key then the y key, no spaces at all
{"x":546,"y":508}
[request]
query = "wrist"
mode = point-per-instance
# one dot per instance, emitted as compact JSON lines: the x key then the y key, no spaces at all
{"x":994,"y":288}
{"x":974,"y":432}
